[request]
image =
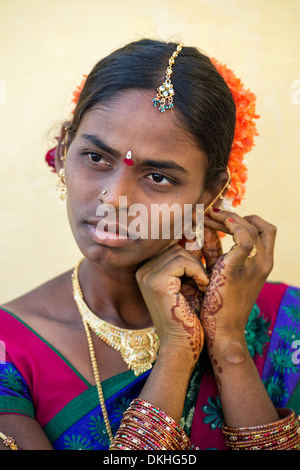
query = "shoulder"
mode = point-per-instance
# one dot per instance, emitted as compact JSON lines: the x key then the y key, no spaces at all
{"x":46,"y":315}
{"x":47,"y":301}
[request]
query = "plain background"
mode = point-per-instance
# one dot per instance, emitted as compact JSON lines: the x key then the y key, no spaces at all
{"x":45,"y":48}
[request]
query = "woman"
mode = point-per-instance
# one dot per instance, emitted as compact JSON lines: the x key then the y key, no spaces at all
{"x":62,"y":387}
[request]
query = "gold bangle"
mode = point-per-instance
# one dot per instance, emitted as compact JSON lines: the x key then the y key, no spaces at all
{"x":281,"y":434}
{"x":146,"y":427}
{"x":9,"y":441}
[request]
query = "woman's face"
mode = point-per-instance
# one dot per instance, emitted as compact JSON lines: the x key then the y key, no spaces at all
{"x":168,"y":168}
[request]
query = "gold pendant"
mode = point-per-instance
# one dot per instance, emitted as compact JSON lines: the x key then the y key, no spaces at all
{"x":138,"y":348}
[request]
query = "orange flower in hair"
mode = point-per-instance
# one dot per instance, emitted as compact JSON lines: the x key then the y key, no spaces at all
{"x":245,"y":131}
{"x":78,"y":90}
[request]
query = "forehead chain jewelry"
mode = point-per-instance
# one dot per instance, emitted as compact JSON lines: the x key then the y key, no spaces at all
{"x":164,"y":97}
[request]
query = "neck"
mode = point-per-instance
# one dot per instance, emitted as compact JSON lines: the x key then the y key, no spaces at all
{"x":113,"y":295}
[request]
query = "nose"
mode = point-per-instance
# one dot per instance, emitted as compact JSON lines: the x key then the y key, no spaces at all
{"x":117,"y":189}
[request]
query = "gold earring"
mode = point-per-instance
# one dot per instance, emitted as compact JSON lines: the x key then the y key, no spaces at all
{"x":61,"y":185}
{"x":64,"y":144}
{"x":221,"y":193}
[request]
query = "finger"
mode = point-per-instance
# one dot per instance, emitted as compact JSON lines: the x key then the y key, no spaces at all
{"x":183,"y":266}
{"x":178,"y":250}
{"x":266,"y":231}
{"x":243,"y":242}
{"x":214,"y":224}
{"x":221,"y":216}
{"x":173,"y":253}
{"x":212,"y":248}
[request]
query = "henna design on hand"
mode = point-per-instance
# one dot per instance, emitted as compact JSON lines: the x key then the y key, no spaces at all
{"x":212,"y":304}
{"x":213,"y":300}
{"x":193,"y":295}
{"x":184,"y":314}
{"x":212,"y":249}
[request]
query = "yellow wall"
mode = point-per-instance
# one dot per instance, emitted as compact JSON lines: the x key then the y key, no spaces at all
{"x":46,"y":46}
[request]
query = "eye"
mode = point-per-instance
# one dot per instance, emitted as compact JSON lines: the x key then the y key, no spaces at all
{"x":96,"y":158}
{"x":159,"y":179}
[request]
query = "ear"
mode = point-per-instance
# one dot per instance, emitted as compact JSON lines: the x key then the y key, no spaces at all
{"x":215,"y":193}
{"x":61,"y":147}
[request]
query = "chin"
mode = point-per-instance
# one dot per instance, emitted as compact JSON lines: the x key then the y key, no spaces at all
{"x":114,"y":253}
{"x":112,"y":258}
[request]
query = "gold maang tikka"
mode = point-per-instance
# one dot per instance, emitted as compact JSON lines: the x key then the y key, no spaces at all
{"x":164,"y":97}
{"x":61,"y":184}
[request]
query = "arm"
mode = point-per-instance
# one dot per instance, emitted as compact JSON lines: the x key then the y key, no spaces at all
{"x":178,"y":327}
{"x":236,"y":281}
{"x":26,"y":432}
{"x":152,"y":421}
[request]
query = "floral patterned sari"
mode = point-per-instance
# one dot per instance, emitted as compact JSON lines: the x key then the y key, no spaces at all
{"x":37,"y":381}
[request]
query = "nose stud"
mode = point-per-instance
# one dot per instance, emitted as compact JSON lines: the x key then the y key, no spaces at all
{"x":103,"y":193}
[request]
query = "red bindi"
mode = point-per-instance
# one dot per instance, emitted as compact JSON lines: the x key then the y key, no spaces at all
{"x":128,"y":158}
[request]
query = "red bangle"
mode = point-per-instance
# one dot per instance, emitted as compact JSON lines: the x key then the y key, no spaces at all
{"x":281,"y":434}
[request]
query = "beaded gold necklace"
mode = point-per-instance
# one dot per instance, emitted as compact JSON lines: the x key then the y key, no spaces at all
{"x":98,"y":381}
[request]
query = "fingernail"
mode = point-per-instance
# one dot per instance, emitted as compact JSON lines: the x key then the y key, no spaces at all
{"x":208,"y":216}
{"x":230,"y":220}
{"x":215,"y":209}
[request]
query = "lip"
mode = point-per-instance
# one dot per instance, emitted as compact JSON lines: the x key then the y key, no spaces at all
{"x":112,"y":237}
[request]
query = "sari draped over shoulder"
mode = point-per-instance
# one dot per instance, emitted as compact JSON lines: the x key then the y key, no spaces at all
{"x":37,"y":381}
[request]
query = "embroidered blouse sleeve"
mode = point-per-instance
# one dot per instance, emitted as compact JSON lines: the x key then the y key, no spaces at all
{"x":14,"y":392}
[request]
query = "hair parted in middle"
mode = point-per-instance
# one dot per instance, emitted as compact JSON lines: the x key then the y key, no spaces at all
{"x":203,"y":103}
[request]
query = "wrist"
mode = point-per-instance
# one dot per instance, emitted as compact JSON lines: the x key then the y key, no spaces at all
{"x":179,"y":356}
{"x":168,"y":382}
{"x":230,"y":350}
{"x":176,"y":360}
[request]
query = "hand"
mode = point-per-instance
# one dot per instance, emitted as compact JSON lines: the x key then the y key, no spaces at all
{"x":173,"y":300}
{"x":236,"y":280}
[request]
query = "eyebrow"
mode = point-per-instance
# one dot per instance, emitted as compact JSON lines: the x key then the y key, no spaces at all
{"x":159,"y":164}
{"x":165,"y":165}
{"x":97,"y":142}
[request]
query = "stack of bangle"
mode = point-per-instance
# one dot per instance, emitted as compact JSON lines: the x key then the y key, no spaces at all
{"x":283,"y":434}
{"x":146,"y":427}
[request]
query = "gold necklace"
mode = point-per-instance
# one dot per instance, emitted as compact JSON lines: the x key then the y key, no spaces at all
{"x":138,"y":348}
{"x":98,"y":381}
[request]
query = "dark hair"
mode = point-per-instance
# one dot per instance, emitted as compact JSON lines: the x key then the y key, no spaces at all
{"x":203,"y":102}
